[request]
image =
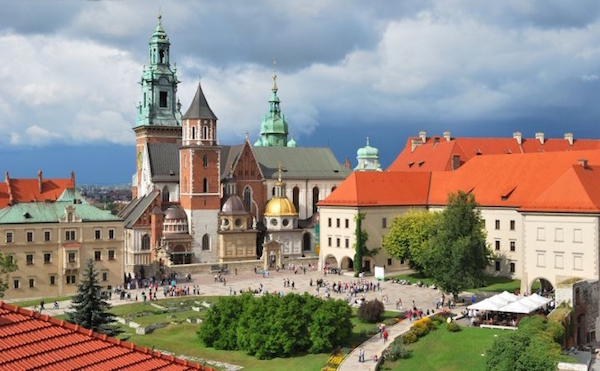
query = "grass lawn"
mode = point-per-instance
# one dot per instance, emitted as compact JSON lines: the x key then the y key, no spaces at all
{"x":493,"y":284}
{"x":47,"y":302}
{"x":448,"y":351}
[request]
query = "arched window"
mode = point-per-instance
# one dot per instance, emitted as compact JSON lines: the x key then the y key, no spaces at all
{"x":273,"y":191}
{"x":296,"y":198}
{"x":248,"y":198}
{"x":146,"y":242}
{"x":315,"y":197}
{"x":205,"y":242}
{"x":193,"y":132}
{"x":165,"y":194}
{"x":205,"y":161}
{"x":204,"y":185}
{"x":205,"y":132}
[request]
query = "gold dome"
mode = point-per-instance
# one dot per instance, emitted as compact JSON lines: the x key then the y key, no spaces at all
{"x":280,"y":206}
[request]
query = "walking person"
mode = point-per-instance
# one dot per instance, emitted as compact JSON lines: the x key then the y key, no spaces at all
{"x":385,"y":336}
{"x":361,"y":355}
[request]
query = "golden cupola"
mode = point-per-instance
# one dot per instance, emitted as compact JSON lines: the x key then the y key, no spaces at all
{"x":280,"y":205}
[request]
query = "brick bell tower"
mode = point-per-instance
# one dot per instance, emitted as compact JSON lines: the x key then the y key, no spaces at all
{"x":159,"y":112}
{"x":200,"y":187}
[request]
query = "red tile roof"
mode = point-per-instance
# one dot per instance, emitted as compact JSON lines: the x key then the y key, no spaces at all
{"x":437,"y":152}
{"x":31,"y":190}
{"x":543,"y":181}
{"x":29,"y":340}
{"x":374,"y":188}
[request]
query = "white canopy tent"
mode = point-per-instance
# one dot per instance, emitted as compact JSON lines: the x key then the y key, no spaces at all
{"x":510,"y":303}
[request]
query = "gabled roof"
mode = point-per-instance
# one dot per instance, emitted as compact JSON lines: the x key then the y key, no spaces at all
{"x":299,"y":163}
{"x":32,"y":190}
{"x":29,"y":340}
{"x":437,"y":152}
{"x":164,"y":162}
{"x":51,"y":212}
{"x":136,"y":208}
{"x":199,"y":109}
{"x":542,"y":182}
{"x":228,"y":157}
{"x":370,"y":188}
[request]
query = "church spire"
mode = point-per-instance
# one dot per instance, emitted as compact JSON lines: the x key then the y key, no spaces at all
{"x":274,"y":127}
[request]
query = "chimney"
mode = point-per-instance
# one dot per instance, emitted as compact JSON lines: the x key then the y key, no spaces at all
{"x":517,"y":135}
{"x":583,"y":162}
{"x":6,"y":177}
{"x":569,"y":138}
{"x":423,"y":136}
{"x":540,"y":136}
{"x":447,"y":136}
{"x":40,"y":180}
{"x":414,"y":143}
{"x":455,"y":162}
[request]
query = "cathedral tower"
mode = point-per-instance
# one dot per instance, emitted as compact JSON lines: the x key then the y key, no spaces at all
{"x":200,"y":189}
{"x":158,"y":113}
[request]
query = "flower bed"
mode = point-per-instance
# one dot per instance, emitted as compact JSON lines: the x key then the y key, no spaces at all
{"x":333,"y":362}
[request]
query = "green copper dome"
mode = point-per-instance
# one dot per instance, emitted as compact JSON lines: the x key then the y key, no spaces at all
{"x":274,"y":126}
{"x":367,"y":151}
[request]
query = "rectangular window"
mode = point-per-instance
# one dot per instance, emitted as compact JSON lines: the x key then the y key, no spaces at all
{"x":329,"y":241}
{"x":512,"y":267}
{"x":347,"y":243}
{"x":329,"y":222}
{"x":16,"y":283}
{"x":31,"y":283}
{"x":9,"y":237}
{"x":97,"y":234}
{"x":541,"y":259}
{"x":337,"y":222}
{"x":513,"y":245}
{"x":337,"y":242}
{"x":29,"y":258}
{"x":497,"y":224}
{"x":497,"y":242}
{"x":47,"y":258}
{"x":111,"y":254}
{"x":11,"y":258}
{"x":163,"y":99}
{"x":383,"y":222}
{"x":97,"y":255}
{"x":70,"y":235}
{"x":577,"y":262}
{"x":558,"y":235}
{"x":72,"y":257}
{"x":577,"y":236}
{"x":512,"y":225}
{"x":104,"y":276}
{"x":497,"y":265}
{"x":111,"y":234}
{"x":559,"y":261}
{"x":389,"y":262}
{"x":52,"y":280}
{"x":347,"y":221}
{"x":71,"y":279}
{"x":47,"y":236}
{"x":29,"y":236}
{"x":541,"y":234}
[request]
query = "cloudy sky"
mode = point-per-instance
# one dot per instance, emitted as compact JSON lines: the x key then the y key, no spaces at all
{"x":346,"y":70}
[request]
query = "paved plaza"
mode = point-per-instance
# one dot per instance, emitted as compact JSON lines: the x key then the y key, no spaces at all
{"x":423,"y":298}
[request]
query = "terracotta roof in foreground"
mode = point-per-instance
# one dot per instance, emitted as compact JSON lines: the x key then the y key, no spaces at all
{"x":32,"y":341}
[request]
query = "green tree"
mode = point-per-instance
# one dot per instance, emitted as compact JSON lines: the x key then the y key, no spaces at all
{"x":408,"y":237}
{"x":7,"y":266}
{"x":530,"y":348}
{"x":89,"y":309}
{"x":457,"y":253}
{"x":361,"y":238}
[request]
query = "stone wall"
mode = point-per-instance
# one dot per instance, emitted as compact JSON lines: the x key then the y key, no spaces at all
{"x":242,"y":266}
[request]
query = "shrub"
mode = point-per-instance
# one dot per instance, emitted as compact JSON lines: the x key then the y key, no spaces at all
{"x":370,"y":311}
{"x":437,"y":319}
{"x":410,"y":337}
{"x":396,"y":351}
{"x":453,"y":327}
{"x":420,"y":329}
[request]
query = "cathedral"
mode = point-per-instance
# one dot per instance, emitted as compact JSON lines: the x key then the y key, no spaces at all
{"x":196,"y":201}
